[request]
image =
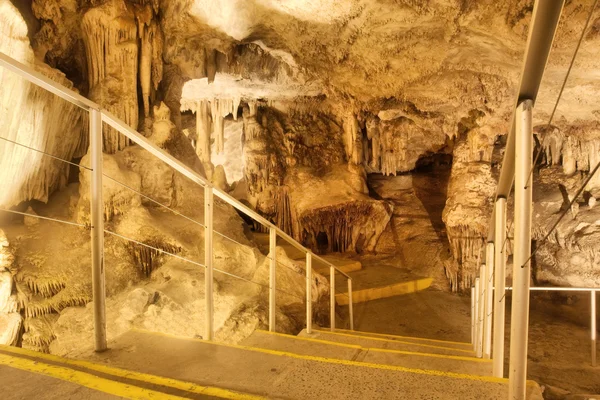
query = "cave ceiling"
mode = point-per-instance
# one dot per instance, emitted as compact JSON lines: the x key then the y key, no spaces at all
{"x":447,"y":56}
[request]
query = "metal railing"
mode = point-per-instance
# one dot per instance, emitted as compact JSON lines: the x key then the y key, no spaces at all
{"x":98,"y":116}
{"x":488,"y":298}
{"x":479,"y":339}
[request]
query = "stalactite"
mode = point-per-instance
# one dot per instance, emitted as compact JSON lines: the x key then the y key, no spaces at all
{"x":39,"y":333}
{"x":467,"y":247}
{"x":347,"y":227}
{"x":110,"y":39}
{"x":236,"y":106}
{"x":283,"y":210}
{"x":574,"y":153}
{"x":353,"y":139}
{"x":149,"y":259}
{"x":203,"y":128}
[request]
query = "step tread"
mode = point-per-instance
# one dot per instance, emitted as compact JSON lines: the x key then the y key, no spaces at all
{"x":313,"y":346}
{"x":449,"y":343}
{"x":381,"y":343}
{"x":127,"y":376}
{"x":279,"y":374}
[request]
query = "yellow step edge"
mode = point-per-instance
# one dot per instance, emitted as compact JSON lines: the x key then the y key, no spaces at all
{"x":356,"y":346}
{"x":366,"y":334}
{"x":351,"y":346}
{"x":382,"y":292}
{"x":84,"y":379}
{"x":139,"y":376}
{"x":419,"y":371}
{"x":393,"y":341}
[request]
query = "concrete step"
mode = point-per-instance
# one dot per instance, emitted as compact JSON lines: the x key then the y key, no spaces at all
{"x":26,"y":374}
{"x":388,"y":344}
{"x":331,"y":349}
{"x":382,"y":292}
{"x":280,"y":374}
{"x":412,"y":339}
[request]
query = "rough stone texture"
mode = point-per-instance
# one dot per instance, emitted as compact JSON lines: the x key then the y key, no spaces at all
{"x":35,"y":118}
{"x":10,"y":319}
{"x":329,"y":90}
{"x":296,"y":174}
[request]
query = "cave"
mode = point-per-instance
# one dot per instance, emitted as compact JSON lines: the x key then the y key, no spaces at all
{"x":287,"y":178}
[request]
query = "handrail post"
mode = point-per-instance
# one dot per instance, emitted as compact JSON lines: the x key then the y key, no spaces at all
{"x":489,"y":298}
{"x":481,"y":311}
{"x":472,"y":315}
{"x":593,"y":327}
{"x":519,"y":325}
{"x":97,"y":227}
{"x":476,"y":316}
{"x":499,"y":289}
{"x":350,"y":305}
{"x":272,"y":278}
{"x":308,"y":292}
{"x":208,"y":261}
{"x":332,"y":297}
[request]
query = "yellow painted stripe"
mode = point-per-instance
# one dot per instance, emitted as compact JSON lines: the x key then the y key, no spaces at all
{"x":363,"y":295}
{"x":84,"y":379}
{"x":415,"y":353}
{"x":394,"y":341}
{"x":355,"y":346}
{"x":139,"y":376}
{"x":308,"y":339}
{"x":397,"y":368}
{"x":367,"y":334}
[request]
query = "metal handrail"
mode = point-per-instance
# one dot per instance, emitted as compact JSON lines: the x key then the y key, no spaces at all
{"x":99,"y":115}
{"x":476,"y":322}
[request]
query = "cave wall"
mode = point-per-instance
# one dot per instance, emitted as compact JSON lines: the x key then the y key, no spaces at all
{"x":35,"y":118}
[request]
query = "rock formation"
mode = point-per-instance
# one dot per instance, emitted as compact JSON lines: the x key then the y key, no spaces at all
{"x":328,"y":93}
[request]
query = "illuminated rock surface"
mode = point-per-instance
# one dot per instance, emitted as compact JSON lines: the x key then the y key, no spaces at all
{"x":324,"y":116}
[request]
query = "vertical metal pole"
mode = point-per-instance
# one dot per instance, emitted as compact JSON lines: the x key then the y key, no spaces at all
{"x":208,"y":261}
{"x":97,"y":223}
{"x":481,"y":310}
{"x":472,"y":315}
{"x":499,"y":288}
{"x":489,"y":298}
{"x":477,"y":305}
{"x":593,"y":326}
{"x":519,"y":324}
{"x":332,"y":298}
{"x":272,"y":278}
{"x":308,"y":292}
{"x":350,"y":305}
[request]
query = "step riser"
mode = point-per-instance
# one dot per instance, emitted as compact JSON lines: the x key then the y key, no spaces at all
{"x":308,"y":346}
{"x":391,"y":345}
{"x":412,"y":339}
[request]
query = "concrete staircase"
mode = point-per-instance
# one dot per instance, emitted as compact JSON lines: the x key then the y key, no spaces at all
{"x":321,"y":365}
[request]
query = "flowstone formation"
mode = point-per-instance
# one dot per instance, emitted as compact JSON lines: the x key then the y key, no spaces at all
{"x":289,"y":105}
{"x":33,"y":117}
{"x":296,"y":173}
{"x":570,"y":256}
{"x":471,"y":192}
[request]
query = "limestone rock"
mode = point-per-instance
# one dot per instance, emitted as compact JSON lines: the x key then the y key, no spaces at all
{"x":35,"y":118}
{"x":10,"y":326}
{"x":30,"y":221}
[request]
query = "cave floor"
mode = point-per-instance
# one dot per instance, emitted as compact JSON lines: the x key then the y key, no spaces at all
{"x":559,"y":335}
